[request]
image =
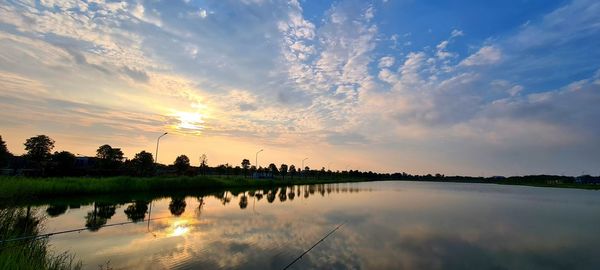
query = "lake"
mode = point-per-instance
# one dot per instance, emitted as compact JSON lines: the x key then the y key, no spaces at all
{"x":384,"y":225}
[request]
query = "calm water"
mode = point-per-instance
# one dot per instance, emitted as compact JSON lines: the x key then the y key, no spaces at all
{"x":387,"y":225}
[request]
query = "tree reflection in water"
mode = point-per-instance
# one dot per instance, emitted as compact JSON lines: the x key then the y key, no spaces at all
{"x":282,"y":194}
{"x":200,"y":205}
{"x":271,"y":195}
{"x":243,"y":201}
{"x":177,"y":206}
{"x":97,"y":218}
{"x":56,"y":210}
{"x":259,"y":196}
{"x":136,"y":211}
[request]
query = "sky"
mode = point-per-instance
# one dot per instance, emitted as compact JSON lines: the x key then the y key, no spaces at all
{"x":452,"y":87}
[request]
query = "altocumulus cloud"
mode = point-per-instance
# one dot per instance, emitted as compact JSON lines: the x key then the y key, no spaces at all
{"x":314,"y":75}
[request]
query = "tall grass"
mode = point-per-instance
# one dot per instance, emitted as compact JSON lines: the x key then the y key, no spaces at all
{"x":28,"y":254}
{"x":25,"y":187}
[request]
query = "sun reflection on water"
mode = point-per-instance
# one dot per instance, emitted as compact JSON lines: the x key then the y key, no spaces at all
{"x":179,"y":228}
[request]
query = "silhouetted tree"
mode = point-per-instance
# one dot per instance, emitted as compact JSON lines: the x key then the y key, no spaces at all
{"x":110,"y":158}
{"x":182,"y":164}
{"x":203,"y":163}
{"x":273,"y":169}
{"x":237,"y":170}
{"x":64,"y":162}
{"x":143,"y":163}
{"x":4,"y":153}
{"x":137,"y":211}
{"x":177,"y":206}
{"x":38,"y":148}
{"x":283,"y":171}
{"x":245,"y":166}
{"x":56,"y":210}
{"x":292,"y":171}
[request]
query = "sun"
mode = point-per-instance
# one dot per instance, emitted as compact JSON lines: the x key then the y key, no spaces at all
{"x":189,"y":121}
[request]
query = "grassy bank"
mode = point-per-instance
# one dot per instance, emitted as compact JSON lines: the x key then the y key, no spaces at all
{"x":28,"y":254}
{"x":24,"y":187}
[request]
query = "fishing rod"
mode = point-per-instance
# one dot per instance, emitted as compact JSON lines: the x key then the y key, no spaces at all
{"x":308,"y":250}
{"x":40,"y":236}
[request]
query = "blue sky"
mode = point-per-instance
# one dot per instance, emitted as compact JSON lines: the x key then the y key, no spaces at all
{"x":456,"y":87}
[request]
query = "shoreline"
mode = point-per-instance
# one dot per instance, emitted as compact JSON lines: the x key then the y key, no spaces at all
{"x":27,"y":188}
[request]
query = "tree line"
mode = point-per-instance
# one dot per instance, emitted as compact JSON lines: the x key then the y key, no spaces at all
{"x":110,"y":161}
{"x":39,"y":160}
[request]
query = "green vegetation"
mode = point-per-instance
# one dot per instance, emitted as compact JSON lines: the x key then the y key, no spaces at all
{"x":28,"y":254}
{"x":26,"y":187}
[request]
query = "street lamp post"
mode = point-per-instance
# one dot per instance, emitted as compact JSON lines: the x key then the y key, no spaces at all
{"x":156,"y":153}
{"x":256,"y":159}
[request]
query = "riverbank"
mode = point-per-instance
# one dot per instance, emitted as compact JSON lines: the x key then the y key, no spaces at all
{"x":34,"y":255}
{"x":25,"y":188}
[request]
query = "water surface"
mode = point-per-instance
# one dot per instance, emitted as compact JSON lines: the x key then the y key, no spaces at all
{"x":386,"y":225}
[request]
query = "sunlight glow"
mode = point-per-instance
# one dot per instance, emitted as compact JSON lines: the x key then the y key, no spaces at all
{"x":189,"y":121}
{"x":179,"y":228}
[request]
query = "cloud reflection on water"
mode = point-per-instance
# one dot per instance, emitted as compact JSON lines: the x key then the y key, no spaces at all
{"x":395,"y":226}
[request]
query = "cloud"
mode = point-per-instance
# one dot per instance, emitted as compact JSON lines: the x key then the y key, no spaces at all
{"x":137,"y":75}
{"x":456,"y":33}
{"x":247,"y":107}
{"x":278,"y":70}
{"x":486,"y":55}
{"x":386,"y":61}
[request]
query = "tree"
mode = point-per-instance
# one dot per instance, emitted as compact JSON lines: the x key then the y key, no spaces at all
{"x":283,"y":170}
{"x":38,"y":148}
{"x":143,"y":163}
{"x":110,"y":157}
{"x":292,"y":171}
{"x":64,"y":162}
{"x":273,"y":168}
{"x":203,"y":163}
{"x":4,"y":153}
{"x":182,"y":164}
{"x":245,"y":166}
